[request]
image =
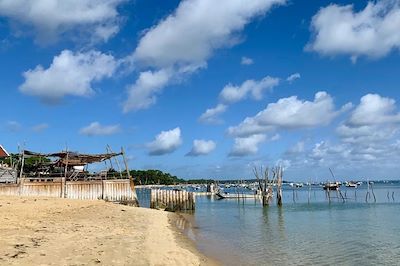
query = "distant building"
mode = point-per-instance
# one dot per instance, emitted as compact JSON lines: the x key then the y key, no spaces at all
{"x":3,"y":152}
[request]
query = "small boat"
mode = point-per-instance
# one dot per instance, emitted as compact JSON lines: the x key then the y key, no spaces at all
{"x":296,"y":185}
{"x":351,"y":184}
{"x":331,"y":186}
{"x":233,"y":196}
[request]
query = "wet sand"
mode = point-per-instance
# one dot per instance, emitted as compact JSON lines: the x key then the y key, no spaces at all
{"x":47,"y":231}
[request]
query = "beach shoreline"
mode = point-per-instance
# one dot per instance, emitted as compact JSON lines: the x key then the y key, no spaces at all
{"x":53,"y":231}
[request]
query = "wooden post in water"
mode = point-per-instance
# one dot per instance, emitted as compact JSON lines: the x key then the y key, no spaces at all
{"x":193,"y":201}
{"x":279,"y":185}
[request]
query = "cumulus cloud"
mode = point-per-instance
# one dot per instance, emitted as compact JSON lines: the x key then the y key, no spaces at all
{"x":205,"y":26}
{"x":40,"y":127}
{"x":202,"y":147}
{"x":375,"y":109}
{"x":246,"y":61}
{"x":247,"y":145}
{"x":165,"y":142}
{"x":142,"y":94}
{"x":96,"y":129}
{"x":231,"y":93}
{"x":69,"y":74}
{"x":374,"y":121}
{"x":371,"y":32}
{"x":367,"y":140}
{"x":290,"y":113}
{"x":211,"y":115}
{"x":293,"y":77}
{"x":50,"y":19}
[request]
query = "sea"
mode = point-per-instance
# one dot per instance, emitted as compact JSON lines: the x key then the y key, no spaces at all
{"x":309,"y":229}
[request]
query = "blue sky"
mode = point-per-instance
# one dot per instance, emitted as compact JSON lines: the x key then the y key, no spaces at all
{"x":206,"y":91}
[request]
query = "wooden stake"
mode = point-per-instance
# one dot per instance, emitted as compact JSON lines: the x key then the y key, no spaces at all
{"x":132,"y":185}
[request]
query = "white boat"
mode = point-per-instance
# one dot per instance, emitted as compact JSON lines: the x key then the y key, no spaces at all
{"x":351,"y":184}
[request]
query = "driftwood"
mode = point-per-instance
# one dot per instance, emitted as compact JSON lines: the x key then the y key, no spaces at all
{"x":266,"y":183}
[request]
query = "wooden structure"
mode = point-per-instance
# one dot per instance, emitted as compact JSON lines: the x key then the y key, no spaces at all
{"x":118,"y":190}
{"x":172,"y":200}
{"x":63,"y":174}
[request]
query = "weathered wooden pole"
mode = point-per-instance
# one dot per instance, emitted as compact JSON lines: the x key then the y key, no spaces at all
{"x":134,"y":200}
{"x":22,"y":164}
{"x":279,"y":186}
{"x":116,"y":161}
{"x":64,"y":181}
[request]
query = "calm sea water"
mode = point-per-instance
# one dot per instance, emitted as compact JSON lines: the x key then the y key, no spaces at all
{"x":301,"y":233}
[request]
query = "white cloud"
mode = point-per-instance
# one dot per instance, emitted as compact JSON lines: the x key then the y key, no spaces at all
{"x":202,"y":147}
{"x":373,"y":31}
{"x":96,"y":129}
{"x":367,"y":142}
{"x":366,"y":134}
{"x":49,"y":19}
{"x":142,"y":94}
{"x":246,"y":61}
{"x":373,"y":122}
{"x":248,"y":127}
{"x":40,"y":127}
{"x":211,"y":115}
{"x":184,"y":41}
{"x":293,"y":77}
{"x":247,"y":146}
{"x":165,"y":142}
{"x":290,"y":113}
{"x":197,"y":28}
{"x":232,"y":93}
{"x":374,"y":109}
{"x":69,"y":74}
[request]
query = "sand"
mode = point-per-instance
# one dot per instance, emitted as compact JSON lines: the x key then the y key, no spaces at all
{"x":47,"y":231}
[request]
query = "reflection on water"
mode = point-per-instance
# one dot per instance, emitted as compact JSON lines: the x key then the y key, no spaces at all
{"x":302,"y":233}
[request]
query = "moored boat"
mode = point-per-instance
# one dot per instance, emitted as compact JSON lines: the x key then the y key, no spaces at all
{"x":351,"y":184}
{"x":331,"y":186}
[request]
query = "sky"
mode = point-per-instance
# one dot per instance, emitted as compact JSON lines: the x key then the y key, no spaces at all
{"x":203,"y":89}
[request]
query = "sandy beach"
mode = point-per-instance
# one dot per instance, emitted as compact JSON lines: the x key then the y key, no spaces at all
{"x":47,"y":231}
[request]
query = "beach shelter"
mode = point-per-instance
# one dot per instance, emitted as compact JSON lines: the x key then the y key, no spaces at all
{"x":3,"y":152}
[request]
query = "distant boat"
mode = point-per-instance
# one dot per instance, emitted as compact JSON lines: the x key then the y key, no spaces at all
{"x":297,"y":185}
{"x":351,"y":184}
{"x":331,"y":186}
{"x":233,"y":196}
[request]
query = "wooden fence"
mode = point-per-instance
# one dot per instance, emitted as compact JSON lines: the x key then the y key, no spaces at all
{"x":172,"y":200}
{"x":112,"y":190}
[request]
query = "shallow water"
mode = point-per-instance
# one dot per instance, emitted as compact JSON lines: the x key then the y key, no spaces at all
{"x":301,"y":233}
